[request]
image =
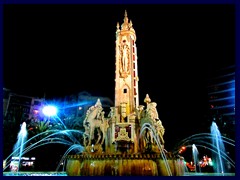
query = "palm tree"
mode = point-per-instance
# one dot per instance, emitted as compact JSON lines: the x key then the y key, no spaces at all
{"x":37,"y":126}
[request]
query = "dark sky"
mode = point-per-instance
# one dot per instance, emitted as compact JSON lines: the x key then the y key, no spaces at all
{"x":64,"y":49}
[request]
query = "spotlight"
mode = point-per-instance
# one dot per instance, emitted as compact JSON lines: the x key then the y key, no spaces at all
{"x":49,"y":110}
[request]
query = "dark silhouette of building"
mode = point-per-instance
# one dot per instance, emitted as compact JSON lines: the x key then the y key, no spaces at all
{"x":19,"y":108}
{"x":221,"y":95}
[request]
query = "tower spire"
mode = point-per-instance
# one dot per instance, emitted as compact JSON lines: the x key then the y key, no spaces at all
{"x":125,"y":14}
{"x":125,"y":21}
{"x":118,"y":27}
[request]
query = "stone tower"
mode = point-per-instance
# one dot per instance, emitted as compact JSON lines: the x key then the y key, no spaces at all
{"x":126,"y":74}
{"x":123,"y":125}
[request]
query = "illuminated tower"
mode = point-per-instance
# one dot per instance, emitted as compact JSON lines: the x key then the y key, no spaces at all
{"x":124,"y":122}
{"x":126,"y":75}
{"x":130,"y":140}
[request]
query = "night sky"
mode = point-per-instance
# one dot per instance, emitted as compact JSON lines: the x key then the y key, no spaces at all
{"x":65,"y":49}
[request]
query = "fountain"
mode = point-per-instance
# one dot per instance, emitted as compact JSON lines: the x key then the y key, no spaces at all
{"x":215,"y":144}
{"x":101,"y":157}
{"x":18,"y":148}
{"x":218,"y":143}
{"x":63,"y":137}
{"x":129,"y":141}
{"x":107,"y":153}
{"x":195,"y":155}
{"x":16,"y":156}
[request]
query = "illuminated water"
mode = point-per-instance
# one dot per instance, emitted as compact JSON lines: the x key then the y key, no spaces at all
{"x":65,"y":137}
{"x":68,"y":137}
{"x":149,"y":127}
{"x":195,"y":155}
{"x":20,"y":144}
{"x":218,"y":143}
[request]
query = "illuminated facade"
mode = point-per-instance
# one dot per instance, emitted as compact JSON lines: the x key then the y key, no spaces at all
{"x":126,"y":84}
{"x":129,"y":140}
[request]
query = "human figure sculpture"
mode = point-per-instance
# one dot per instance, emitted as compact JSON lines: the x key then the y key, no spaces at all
{"x":124,"y":57}
{"x":153,"y":114}
{"x":152,"y":111}
{"x":140,"y":112}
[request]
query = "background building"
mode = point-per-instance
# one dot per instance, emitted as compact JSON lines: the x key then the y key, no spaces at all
{"x":221,"y":95}
{"x":18,"y":107}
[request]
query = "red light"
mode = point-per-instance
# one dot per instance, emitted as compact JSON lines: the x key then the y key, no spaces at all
{"x":35,"y":111}
{"x":183,"y":148}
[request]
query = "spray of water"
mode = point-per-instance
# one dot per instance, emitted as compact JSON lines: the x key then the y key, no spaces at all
{"x":20,"y":144}
{"x":213,"y":142}
{"x":64,"y":137}
{"x":148,"y":126}
{"x":218,"y":142}
{"x":195,"y":155}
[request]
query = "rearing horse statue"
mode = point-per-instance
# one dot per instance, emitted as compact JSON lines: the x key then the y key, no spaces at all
{"x":95,"y":119}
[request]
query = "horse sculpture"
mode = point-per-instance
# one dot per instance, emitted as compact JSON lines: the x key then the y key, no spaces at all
{"x":95,"y":120}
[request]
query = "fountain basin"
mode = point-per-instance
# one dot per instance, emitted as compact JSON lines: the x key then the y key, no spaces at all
{"x":123,"y":165}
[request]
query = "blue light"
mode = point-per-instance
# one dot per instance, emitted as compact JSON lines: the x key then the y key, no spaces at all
{"x":49,"y":110}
